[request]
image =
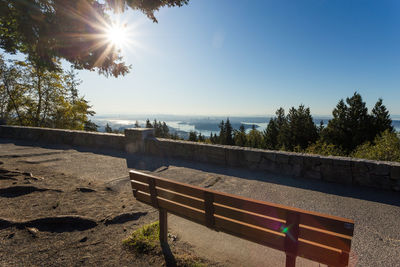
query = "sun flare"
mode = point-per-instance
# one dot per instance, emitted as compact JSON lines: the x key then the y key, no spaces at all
{"x":118,"y":35}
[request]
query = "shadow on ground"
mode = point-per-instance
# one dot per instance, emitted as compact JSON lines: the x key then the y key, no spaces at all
{"x":152,"y":163}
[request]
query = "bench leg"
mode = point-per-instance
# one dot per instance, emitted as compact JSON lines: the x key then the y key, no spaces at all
{"x":163,"y":225}
{"x":290,"y":260}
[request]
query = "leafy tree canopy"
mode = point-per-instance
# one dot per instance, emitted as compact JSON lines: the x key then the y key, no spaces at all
{"x":34,"y":97}
{"x":74,"y":30}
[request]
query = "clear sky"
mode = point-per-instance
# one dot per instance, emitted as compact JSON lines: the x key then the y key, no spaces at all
{"x":227,"y":57}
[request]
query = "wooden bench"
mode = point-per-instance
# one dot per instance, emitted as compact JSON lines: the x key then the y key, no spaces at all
{"x":318,"y":237}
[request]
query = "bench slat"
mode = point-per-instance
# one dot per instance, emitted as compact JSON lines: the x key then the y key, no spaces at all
{"x":250,"y":218}
{"x":174,"y":208}
{"x":167,"y":184}
{"x":176,"y":197}
{"x":252,"y":233}
{"x":319,"y":254}
{"x":337,"y":241}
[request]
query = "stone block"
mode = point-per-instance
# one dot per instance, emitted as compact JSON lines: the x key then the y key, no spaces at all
{"x":268,"y":165}
{"x":282,"y":158}
{"x":395,"y":173}
{"x":235,"y":157}
{"x":252,"y":156}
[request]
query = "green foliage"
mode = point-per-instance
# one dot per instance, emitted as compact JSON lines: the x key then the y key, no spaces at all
{"x":160,"y":128}
{"x":193,"y":136}
{"x":137,"y":125}
{"x":144,"y":239}
{"x":271,"y":135}
{"x":108,"y":129}
{"x":255,"y":138}
{"x":296,"y":130}
{"x":31,"y":96}
{"x":352,"y":126}
{"x":381,"y":118}
{"x":385,"y":147}
{"x":325,"y":149}
{"x":148,"y":124}
{"x":239,"y":136}
{"x":301,"y":128}
{"x":47,"y":31}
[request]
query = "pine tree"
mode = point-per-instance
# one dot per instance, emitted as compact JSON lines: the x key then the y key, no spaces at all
{"x":271,"y":135}
{"x":193,"y":136}
{"x":222,"y":131}
{"x":239,"y":136}
{"x":381,"y":118}
{"x":228,"y":133}
{"x":148,"y":124}
{"x":301,"y":128}
{"x":165,"y":130}
{"x":108,"y":129}
{"x":351,"y":125}
{"x":137,"y":125}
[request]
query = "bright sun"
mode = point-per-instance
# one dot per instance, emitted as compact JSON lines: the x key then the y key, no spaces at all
{"x":117,"y":35}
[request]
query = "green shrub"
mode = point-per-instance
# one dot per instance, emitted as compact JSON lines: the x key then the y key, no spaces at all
{"x":385,"y":147}
{"x":144,"y":239}
{"x":325,"y":149}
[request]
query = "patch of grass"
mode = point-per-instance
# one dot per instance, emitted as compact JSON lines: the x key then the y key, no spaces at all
{"x":186,"y":260}
{"x":144,"y":239}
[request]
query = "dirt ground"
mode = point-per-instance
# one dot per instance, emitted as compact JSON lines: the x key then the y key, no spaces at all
{"x":54,"y":219}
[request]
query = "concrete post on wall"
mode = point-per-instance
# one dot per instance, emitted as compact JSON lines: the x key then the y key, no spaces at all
{"x":135,"y":139}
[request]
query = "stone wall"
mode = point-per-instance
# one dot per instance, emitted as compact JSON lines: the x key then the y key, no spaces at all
{"x":350,"y":171}
{"x":67,"y":137}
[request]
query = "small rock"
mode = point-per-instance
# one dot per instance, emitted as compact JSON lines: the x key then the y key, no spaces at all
{"x":123,"y":206}
{"x":14,"y":183}
{"x":83,"y":239}
{"x":171,"y":236}
{"x":27,"y":174}
{"x":10,"y":235}
{"x":33,"y":231}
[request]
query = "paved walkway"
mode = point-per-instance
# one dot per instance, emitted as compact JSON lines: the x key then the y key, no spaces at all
{"x":376,"y":213}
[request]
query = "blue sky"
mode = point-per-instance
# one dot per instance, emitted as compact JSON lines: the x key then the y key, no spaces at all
{"x":251,"y":57}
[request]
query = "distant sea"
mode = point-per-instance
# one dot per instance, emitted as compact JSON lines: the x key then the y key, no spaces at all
{"x":201,"y":124}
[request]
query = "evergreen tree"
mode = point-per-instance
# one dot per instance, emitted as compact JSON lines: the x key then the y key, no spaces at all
{"x":381,"y":118}
{"x":137,"y":125}
{"x":301,"y":128}
{"x":148,"y":124}
{"x":351,"y":125}
{"x":193,"y":136}
{"x":90,"y":126}
{"x":165,"y":130}
{"x":320,"y":128}
{"x":108,"y":129}
{"x":239,"y":136}
{"x":201,"y":138}
{"x":254,"y":138}
{"x":283,"y":138}
{"x":222,"y":131}
{"x":228,"y":133}
{"x":271,"y":135}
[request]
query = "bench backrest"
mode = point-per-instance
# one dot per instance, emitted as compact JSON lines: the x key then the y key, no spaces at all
{"x":318,"y":237}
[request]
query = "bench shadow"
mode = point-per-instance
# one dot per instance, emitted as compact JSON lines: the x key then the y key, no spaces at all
{"x":147,"y":163}
{"x":169,"y":257}
{"x":152,"y":163}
